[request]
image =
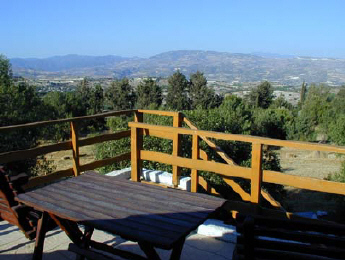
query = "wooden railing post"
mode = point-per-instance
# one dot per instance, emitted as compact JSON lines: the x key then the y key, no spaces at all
{"x":176,"y":148}
{"x":75,"y":148}
{"x":256,"y":179}
{"x":138,"y":117}
{"x":203,"y":155}
{"x":136,"y":146}
{"x":195,"y":156}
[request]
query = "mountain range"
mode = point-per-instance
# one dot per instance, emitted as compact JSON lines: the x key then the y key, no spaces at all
{"x":218,"y":66}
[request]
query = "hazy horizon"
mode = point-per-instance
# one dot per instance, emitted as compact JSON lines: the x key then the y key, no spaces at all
{"x":256,"y":53}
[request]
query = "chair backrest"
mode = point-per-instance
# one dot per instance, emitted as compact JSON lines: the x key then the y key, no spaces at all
{"x":10,"y":210}
{"x":271,"y":238}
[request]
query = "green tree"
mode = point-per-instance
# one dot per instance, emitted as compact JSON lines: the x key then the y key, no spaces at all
{"x":5,"y":71}
{"x":337,"y":130}
{"x":120,"y":95}
{"x":200,"y":95}
{"x":97,"y":100}
{"x":262,"y":95}
{"x":19,"y":104}
{"x":313,"y":118}
{"x":177,"y":98}
{"x":84,"y":94}
{"x":149,"y":94}
{"x":303,"y":92}
{"x":281,"y":103}
{"x":273,"y":123}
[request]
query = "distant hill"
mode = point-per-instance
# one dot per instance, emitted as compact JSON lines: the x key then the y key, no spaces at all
{"x":67,"y":62}
{"x":220,"y":66}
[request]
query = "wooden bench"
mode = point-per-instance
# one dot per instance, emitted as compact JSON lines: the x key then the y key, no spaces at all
{"x":271,"y":238}
{"x":25,"y":218}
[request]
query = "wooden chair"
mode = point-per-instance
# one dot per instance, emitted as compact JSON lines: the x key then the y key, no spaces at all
{"x":25,"y":218}
{"x":271,"y":238}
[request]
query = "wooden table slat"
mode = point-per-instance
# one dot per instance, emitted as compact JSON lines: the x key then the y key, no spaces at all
{"x":148,"y":196}
{"x":198,"y":197}
{"x":98,"y":220}
{"x":124,"y":204}
{"x":135,"y":211}
{"x":112,"y":213}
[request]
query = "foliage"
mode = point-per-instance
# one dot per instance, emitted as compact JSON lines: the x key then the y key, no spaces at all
{"x":303,"y":93}
{"x":43,"y":166}
{"x":148,"y":94}
{"x":19,"y":104}
{"x":273,"y":123}
{"x":281,"y":103}
{"x":5,"y":71}
{"x":177,"y":98}
{"x":120,"y":95}
{"x":200,"y":95}
{"x":337,"y":130}
{"x":313,"y":118}
{"x":113,"y":148}
{"x":339,"y":176}
{"x":261,"y":96}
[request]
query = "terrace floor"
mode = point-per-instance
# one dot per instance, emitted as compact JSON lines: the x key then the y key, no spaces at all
{"x":14,"y":245}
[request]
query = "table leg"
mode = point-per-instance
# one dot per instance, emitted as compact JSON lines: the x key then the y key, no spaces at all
{"x":149,"y":251}
{"x":71,"y":229}
{"x":177,"y":250}
{"x":40,"y":235}
{"x":86,"y":240}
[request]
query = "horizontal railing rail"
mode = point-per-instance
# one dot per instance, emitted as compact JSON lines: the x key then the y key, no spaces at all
{"x":255,"y":173}
{"x":74,"y":144}
{"x":65,"y":120}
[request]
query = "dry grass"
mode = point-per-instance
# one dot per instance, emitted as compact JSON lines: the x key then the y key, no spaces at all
{"x":64,"y":159}
{"x":310,"y":164}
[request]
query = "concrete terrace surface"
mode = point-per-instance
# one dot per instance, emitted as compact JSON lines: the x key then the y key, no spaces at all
{"x":14,"y":245}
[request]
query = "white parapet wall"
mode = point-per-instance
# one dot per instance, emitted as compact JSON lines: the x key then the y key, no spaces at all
{"x":211,"y":227}
{"x":161,"y":177}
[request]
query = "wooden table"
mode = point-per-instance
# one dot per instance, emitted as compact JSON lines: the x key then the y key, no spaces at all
{"x":150,"y":215}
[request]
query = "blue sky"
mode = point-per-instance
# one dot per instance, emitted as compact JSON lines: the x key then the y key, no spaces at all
{"x":44,"y":28}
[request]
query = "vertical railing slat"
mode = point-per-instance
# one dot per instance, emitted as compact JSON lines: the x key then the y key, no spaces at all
{"x":203,"y":155}
{"x":256,"y":172}
{"x":195,"y":156}
{"x":75,"y":148}
{"x":136,"y":146}
{"x":177,"y":122}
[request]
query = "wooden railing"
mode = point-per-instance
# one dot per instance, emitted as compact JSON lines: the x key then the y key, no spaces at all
{"x":256,"y":175}
{"x":74,"y":144}
{"x":199,"y":161}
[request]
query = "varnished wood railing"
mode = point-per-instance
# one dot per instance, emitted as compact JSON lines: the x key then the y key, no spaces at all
{"x":198,"y":162}
{"x":74,"y":144}
{"x":255,"y":174}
